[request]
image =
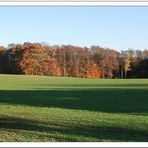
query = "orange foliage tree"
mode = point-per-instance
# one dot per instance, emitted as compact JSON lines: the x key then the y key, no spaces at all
{"x":72,"y":61}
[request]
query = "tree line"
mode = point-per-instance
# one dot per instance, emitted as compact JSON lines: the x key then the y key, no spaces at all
{"x":72,"y":61}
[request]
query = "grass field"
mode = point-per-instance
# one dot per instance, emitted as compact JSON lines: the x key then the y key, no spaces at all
{"x":36,"y":108}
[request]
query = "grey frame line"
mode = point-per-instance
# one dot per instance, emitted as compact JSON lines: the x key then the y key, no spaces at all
{"x":71,"y":6}
{"x":128,"y":1}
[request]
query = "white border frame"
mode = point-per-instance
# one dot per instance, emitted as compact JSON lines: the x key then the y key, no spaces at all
{"x":77,"y":4}
{"x":74,"y":4}
{"x":75,"y":144}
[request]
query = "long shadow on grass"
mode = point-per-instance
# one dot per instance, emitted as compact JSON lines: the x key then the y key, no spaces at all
{"x":72,"y":133}
{"x":104,"y":100}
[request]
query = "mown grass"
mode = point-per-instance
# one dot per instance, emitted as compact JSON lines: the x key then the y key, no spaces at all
{"x":36,"y":108}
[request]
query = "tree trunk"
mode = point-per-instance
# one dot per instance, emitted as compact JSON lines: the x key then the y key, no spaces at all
{"x":64,"y":65}
{"x":125,"y":74}
{"x":103,"y":73}
{"x":121,"y":73}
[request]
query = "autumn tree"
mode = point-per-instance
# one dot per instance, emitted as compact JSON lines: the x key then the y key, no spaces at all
{"x":106,"y":59}
{"x":125,"y":62}
{"x":2,"y":59}
{"x":72,"y":61}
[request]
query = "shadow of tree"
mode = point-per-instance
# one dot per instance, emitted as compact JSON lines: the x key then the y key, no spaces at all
{"x":104,"y":100}
{"x":96,"y":132}
{"x":99,"y":85}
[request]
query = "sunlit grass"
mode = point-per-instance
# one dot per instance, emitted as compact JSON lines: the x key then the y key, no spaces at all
{"x":36,"y":108}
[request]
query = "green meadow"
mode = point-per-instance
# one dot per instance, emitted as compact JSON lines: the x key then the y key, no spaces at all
{"x":57,"y":109}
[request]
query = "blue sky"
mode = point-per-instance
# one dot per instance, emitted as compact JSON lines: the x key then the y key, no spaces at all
{"x":118,"y":28}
